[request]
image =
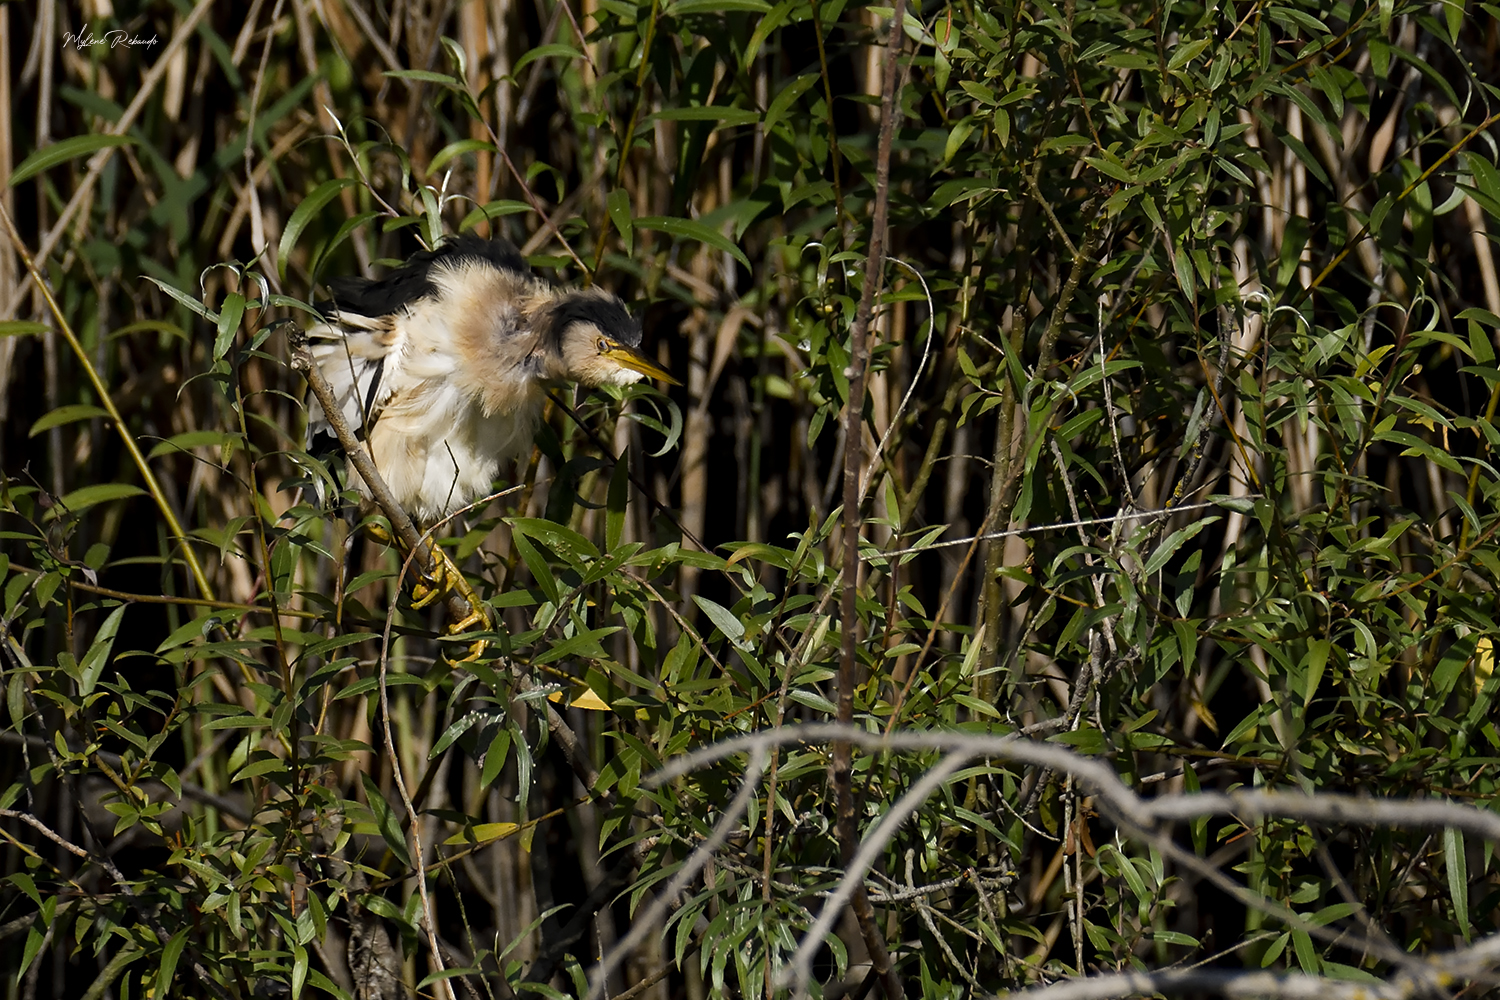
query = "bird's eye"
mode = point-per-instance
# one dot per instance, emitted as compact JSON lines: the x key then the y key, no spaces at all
{"x":603,"y":346}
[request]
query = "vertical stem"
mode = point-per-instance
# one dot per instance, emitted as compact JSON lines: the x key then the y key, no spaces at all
{"x":848,"y":833}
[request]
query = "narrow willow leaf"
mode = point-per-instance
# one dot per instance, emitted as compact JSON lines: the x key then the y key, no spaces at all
{"x":1456,"y":862}
{"x":618,"y":204}
{"x":1174,"y":541}
{"x":67,"y":415}
{"x":304,"y":214}
{"x":170,"y":953}
{"x":692,"y":230}
{"x":483,"y":833}
{"x":385,"y":821}
{"x":615,"y":503}
{"x":64,"y":150}
{"x":85,"y":497}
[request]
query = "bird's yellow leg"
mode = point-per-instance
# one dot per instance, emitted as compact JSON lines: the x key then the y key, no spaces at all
{"x":448,"y":579}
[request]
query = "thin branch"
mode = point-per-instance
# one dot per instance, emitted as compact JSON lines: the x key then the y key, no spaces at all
{"x":1294,"y":986}
{"x":1039,"y":528}
{"x":1110,"y":790}
{"x":854,"y":409}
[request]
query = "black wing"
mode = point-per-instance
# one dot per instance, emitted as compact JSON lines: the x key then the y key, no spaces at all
{"x":413,"y":280}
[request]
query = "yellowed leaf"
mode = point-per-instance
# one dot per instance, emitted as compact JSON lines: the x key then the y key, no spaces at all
{"x":484,"y":833}
{"x":588,"y":699}
{"x":582,"y":698}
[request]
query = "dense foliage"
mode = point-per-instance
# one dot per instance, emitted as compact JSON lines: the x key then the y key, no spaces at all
{"x":1175,"y":447}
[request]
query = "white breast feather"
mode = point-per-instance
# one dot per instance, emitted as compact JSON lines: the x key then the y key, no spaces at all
{"x":430,"y":435}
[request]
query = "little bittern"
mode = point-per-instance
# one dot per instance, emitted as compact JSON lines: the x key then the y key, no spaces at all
{"x":440,"y":366}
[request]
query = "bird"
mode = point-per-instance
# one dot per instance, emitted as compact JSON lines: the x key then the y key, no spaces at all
{"x":441,"y":367}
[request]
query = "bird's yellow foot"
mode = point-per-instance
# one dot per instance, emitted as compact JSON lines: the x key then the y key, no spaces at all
{"x":447,"y":579}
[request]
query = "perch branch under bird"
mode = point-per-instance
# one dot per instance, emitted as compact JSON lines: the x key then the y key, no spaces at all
{"x":431,"y":378}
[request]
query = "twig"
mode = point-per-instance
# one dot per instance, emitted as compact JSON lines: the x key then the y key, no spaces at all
{"x":1140,"y":816}
{"x":1039,"y":528}
{"x":1107,"y":786}
{"x":854,"y":410}
{"x":1294,"y":986}
{"x":558,"y":943}
{"x":916,"y":377}
{"x":415,"y":821}
{"x":645,"y":984}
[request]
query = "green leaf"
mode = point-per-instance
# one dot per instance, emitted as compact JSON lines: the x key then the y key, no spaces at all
{"x":64,"y":150}
{"x":67,"y":415}
{"x":269,"y":765}
{"x":345,"y":230}
{"x":1455,"y":860}
{"x":304,"y":214}
{"x":87,"y":496}
{"x":615,"y":503}
{"x":21,"y":328}
{"x":299,"y":970}
{"x":458,"y":727}
{"x":585,"y":644}
{"x":618,"y":205}
{"x":437,"y":977}
{"x":26,"y":884}
{"x":708,"y":113}
{"x":723,"y":619}
{"x":456,"y":149}
{"x":1307,"y":955}
{"x":493,"y":210}
{"x":1186,"y":52}
{"x":426,"y":76}
{"x":230,"y":315}
{"x":956,"y":138}
{"x":1175,"y":541}
{"x":494,"y":758}
{"x":189,"y":440}
{"x":385,"y":821}
{"x":170,"y":953}
{"x":783,"y":101}
{"x":193,"y":305}
{"x":1451,"y":666}
{"x":684,"y":8}
{"x":691,"y":230}
{"x":327,"y":985}
{"x":1317,"y":659}
{"x":553,"y":51}
{"x":92,"y":664}
{"x":566,"y":542}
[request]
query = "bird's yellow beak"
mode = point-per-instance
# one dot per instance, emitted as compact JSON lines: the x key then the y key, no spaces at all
{"x":629,"y":357}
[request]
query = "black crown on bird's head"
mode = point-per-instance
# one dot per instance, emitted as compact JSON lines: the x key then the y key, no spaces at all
{"x":603,"y":310}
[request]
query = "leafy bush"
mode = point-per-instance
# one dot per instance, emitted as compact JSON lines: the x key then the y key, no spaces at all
{"x":1173,"y":392}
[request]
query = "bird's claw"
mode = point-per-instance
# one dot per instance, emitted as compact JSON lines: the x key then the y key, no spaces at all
{"x":446,"y":579}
